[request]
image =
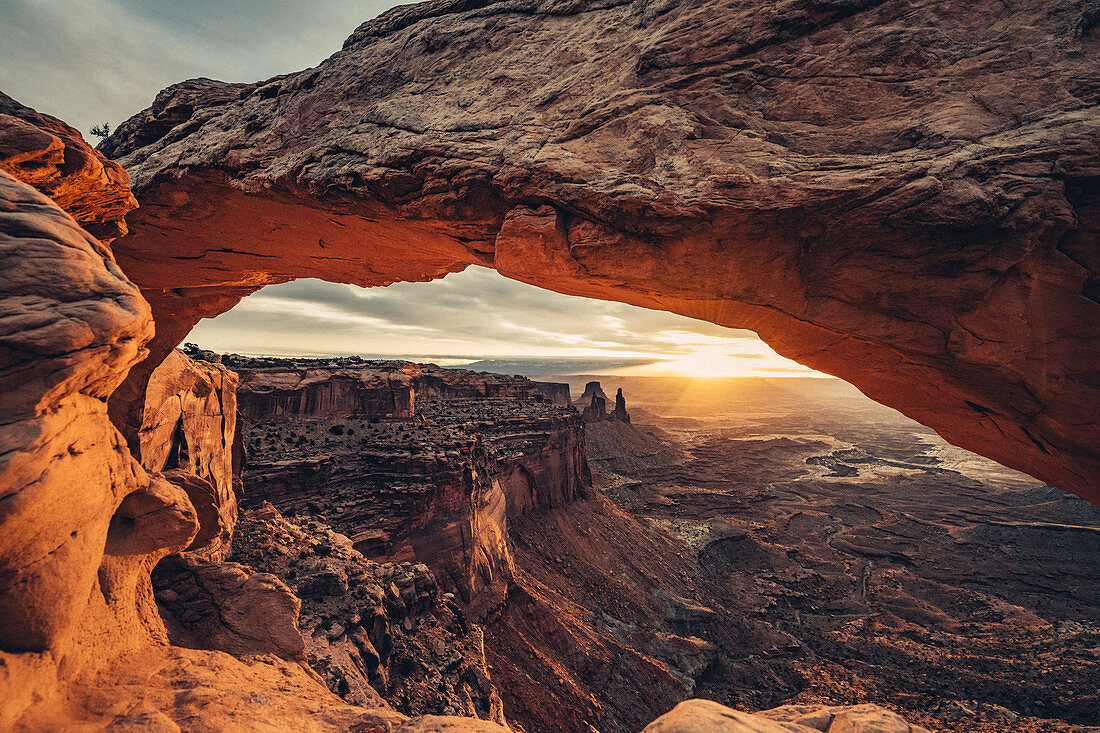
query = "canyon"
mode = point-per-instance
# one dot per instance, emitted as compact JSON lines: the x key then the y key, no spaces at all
{"x":849,"y":555}
{"x":904,"y":195}
{"x":727,"y":534}
{"x":436,"y":483}
{"x":520,"y":593}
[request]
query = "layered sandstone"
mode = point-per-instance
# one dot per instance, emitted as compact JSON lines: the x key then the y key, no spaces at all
{"x":355,"y":387}
{"x":315,"y":393}
{"x":82,"y":521}
{"x":438,"y":489}
{"x":898,"y":193}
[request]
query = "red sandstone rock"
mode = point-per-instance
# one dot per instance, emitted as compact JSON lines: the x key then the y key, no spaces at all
{"x":619,"y":414}
{"x":82,"y":522}
{"x":889,"y":193}
{"x":439,"y":489}
{"x":896,"y":193}
{"x":188,"y":430}
{"x":704,"y":716}
{"x":54,"y":158}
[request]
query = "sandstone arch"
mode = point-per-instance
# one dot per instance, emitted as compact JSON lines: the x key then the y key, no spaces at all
{"x":904,"y":195}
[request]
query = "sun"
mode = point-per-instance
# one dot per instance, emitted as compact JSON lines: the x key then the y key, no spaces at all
{"x":737,"y":358}
{"x":706,"y":363}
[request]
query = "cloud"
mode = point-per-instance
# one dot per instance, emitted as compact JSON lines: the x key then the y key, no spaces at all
{"x":475,"y":313}
{"x":92,"y":61}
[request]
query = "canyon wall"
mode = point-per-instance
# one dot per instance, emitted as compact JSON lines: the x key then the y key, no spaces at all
{"x":438,"y":487}
{"x":83,"y":522}
{"x":353,"y":387}
{"x":432,"y":381}
{"x":264,"y":394}
{"x":901,"y":194}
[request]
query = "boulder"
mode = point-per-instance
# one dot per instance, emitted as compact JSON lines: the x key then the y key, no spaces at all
{"x":228,"y":607}
{"x":704,"y":716}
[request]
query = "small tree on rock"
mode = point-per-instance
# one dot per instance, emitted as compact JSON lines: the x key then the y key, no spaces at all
{"x":103,"y":130}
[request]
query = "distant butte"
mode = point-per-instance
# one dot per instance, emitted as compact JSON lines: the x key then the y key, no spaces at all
{"x":593,"y":405}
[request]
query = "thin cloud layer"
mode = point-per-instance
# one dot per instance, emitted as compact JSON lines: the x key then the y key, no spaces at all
{"x":475,"y":314}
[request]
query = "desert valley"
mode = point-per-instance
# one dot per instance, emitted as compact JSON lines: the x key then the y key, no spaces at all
{"x":546,"y":554}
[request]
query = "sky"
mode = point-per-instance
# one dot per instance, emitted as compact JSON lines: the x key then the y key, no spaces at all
{"x":478,"y":314}
{"x":94,"y":61}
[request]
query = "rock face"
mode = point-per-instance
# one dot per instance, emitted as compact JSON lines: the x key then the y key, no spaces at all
{"x":892,"y":192}
{"x":897,"y":193}
{"x":188,"y":432}
{"x":352,"y":387}
{"x":619,"y":414}
{"x":434,"y":382}
{"x":437,"y":487}
{"x":593,"y":405}
{"x":73,"y":325}
{"x":315,"y":393}
{"x":83,"y":523}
